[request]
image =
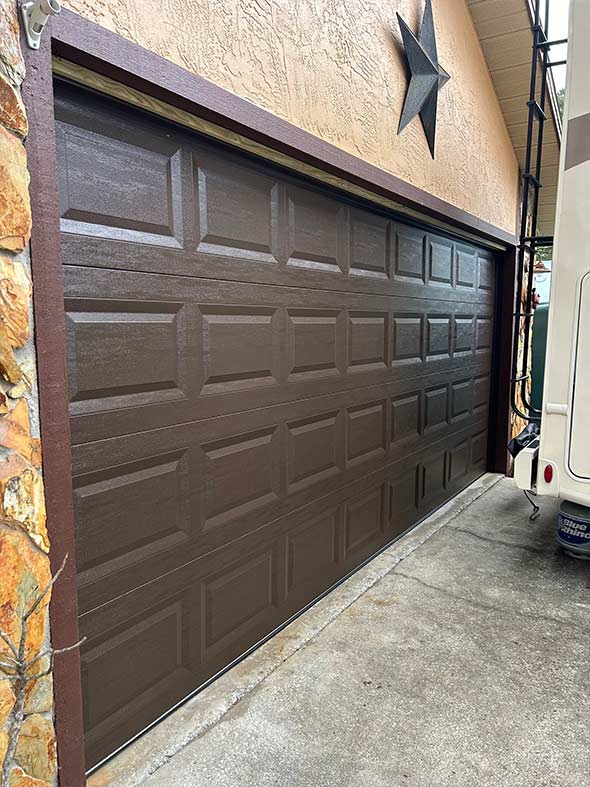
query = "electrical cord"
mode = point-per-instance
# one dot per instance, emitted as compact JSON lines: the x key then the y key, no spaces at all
{"x":536,"y":508}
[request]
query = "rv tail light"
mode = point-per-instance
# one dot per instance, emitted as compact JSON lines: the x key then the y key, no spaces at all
{"x":548,"y":474}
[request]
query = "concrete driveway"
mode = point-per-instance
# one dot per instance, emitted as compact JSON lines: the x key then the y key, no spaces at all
{"x":460,"y":656}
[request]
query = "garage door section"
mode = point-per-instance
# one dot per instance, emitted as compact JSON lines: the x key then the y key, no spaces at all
{"x":268,"y":383}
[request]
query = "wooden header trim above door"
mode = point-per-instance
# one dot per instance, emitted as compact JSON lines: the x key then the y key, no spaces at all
{"x":84,"y":76}
{"x":145,"y":75}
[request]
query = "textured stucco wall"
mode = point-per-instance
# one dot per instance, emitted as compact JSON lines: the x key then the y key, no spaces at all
{"x":29,"y":757}
{"x":334,"y":68}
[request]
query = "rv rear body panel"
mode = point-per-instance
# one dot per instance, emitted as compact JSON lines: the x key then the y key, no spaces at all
{"x":565,"y":431}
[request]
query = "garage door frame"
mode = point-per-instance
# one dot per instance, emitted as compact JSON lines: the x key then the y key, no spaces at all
{"x":104,"y":53}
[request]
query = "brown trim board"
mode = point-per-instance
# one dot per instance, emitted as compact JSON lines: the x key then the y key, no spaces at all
{"x":131,"y":97}
{"x":48,"y":307}
{"x":500,"y":409}
{"x":88,"y":45}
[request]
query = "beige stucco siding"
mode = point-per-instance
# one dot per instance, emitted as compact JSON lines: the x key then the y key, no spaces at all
{"x":335,"y":68}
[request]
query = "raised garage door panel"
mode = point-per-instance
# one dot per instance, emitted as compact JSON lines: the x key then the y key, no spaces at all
{"x":268,"y":382}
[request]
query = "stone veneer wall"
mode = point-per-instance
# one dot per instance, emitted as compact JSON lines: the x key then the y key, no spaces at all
{"x":24,"y":546}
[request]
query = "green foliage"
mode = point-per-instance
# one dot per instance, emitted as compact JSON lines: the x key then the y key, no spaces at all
{"x":545,"y":253}
{"x":560,"y":100}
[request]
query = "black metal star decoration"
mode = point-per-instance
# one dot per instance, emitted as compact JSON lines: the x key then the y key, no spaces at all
{"x":427,"y":76}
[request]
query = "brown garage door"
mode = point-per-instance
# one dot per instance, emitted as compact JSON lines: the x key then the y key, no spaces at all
{"x":268,"y":383}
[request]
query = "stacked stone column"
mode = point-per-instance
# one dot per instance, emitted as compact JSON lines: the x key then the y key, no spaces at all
{"x":24,"y":546}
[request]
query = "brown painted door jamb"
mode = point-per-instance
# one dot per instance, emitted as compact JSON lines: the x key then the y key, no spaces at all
{"x":48,"y":300}
{"x":500,"y":411}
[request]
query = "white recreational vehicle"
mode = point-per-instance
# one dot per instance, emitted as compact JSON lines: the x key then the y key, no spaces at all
{"x":558,"y":464}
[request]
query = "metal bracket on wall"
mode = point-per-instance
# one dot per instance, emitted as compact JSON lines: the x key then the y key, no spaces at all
{"x":35,"y":15}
